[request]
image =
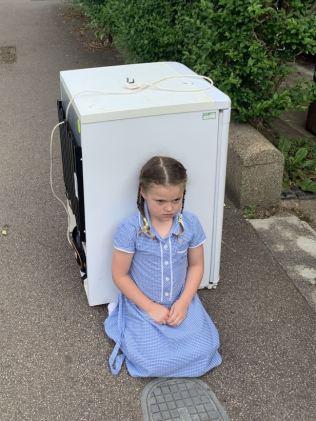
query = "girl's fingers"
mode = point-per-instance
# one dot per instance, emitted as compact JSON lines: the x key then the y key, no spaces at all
{"x":172,"y":319}
{"x":176,"y":322}
{"x":175,"y":319}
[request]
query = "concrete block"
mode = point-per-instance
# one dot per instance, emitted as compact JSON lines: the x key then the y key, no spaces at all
{"x":254,"y":168}
{"x":293,"y":243}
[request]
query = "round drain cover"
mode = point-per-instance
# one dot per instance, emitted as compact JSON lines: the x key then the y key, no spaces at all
{"x":182,"y":399}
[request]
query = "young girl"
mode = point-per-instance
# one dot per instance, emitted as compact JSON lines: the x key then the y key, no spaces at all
{"x":159,"y":323}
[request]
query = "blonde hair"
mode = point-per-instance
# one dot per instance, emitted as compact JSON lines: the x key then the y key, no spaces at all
{"x":164,"y":171}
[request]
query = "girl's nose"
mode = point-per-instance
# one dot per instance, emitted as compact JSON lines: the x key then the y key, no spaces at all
{"x":168,"y":207}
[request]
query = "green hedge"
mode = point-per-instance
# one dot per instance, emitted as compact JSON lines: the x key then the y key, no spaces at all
{"x":245,"y":46}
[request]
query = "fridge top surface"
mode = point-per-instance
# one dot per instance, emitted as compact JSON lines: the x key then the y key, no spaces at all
{"x":102,"y":93}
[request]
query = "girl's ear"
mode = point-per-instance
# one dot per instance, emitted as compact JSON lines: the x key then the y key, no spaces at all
{"x":142,"y":193}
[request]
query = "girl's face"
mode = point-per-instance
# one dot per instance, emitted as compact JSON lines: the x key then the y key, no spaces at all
{"x":163,"y":202}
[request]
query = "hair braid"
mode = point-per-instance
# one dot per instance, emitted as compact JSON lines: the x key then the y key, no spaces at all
{"x":180,"y":217}
{"x":145,"y":229}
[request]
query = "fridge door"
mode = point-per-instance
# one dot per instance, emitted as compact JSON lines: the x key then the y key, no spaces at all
{"x":113,"y":153}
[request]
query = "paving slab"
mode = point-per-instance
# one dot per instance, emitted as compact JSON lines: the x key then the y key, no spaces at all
{"x":293,"y":243}
{"x":305,"y":209}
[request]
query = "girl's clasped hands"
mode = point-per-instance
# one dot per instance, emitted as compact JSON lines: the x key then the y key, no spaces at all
{"x":173,"y":316}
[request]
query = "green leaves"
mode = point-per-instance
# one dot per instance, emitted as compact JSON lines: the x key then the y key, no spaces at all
{"x":307,"y":185}
{"x":299,"y":163}
{"x":244,"y":46}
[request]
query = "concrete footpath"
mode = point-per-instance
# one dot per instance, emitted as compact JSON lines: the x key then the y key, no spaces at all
{"x":53,"y":352}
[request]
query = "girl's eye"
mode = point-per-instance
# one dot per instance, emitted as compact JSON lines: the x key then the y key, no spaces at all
{"x":161,"y":202}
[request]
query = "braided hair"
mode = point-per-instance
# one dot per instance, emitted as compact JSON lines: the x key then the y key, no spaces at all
{"x":160,"y":170}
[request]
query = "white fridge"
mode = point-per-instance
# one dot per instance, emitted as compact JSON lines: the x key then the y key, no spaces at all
{"x":119,"y":117}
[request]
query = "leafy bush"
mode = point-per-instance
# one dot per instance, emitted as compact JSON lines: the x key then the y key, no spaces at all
{"x":299,"y":163}
{"x":246,"y":46}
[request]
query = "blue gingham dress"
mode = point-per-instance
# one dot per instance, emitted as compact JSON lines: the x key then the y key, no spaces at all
{"x":159,"y":268}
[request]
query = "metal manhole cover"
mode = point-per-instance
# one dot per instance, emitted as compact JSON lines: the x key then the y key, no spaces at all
{"x":7,"y":55}
{"x":182,"y":399}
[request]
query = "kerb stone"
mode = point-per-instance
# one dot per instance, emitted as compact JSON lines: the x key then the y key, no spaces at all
{"x":254,"y":168}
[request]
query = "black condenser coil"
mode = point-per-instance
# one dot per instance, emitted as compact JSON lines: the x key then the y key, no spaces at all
{"x":72,"y":171}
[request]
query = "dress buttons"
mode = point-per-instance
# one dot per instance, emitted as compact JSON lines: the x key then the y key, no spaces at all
{"x":165,"y":246}
{"x":167,"y":278}
{"x":167,"y":294}
{"x":166,"y":262}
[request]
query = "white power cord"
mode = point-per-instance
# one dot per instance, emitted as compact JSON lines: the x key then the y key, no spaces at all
{"x":154,"y":84}
{"x":51,"y":177}
{"x":132,"y":88}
